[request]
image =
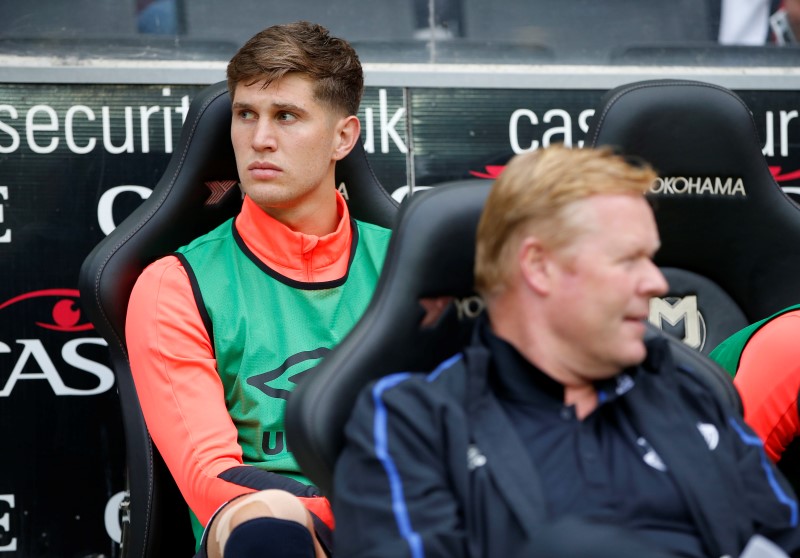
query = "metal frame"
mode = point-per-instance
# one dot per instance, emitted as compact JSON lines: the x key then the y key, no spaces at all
{"x":19,"y":69}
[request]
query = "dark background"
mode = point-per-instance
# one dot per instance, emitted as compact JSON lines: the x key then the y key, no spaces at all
{"x":65,"y":458}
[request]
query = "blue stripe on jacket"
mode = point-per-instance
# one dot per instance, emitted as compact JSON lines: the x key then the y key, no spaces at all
{"x":382,"y":452}
{"x":782,"y":497}
{"x":381,"y":438}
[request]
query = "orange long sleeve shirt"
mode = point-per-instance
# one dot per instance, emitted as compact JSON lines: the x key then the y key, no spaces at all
{"x":172,"y":358}
{"x":768,"y":379}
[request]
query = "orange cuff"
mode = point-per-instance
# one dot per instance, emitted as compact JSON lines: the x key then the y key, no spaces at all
{"x":321,"y":507}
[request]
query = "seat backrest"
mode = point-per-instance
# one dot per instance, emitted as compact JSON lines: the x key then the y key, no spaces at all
{"x":431,"y":255}
{"x":730,"y":237}
{"x":197,"y":191}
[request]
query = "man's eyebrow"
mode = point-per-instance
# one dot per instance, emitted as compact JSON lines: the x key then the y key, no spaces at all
{"x":278,"y":106}
{"x":290,"y":107}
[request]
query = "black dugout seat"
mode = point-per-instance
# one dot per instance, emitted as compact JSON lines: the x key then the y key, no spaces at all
{"x":431,"y":255}
{"x":197,"y":191}
{"x":730,"y":237}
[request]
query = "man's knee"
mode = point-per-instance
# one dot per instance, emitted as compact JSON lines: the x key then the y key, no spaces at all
{"x":276,"y":504}
{"x":269,"y":536}
{"x":267,"y":503}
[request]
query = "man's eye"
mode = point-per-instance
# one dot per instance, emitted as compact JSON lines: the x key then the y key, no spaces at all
{"x":246,"y":114}
{"x":286,"y":116}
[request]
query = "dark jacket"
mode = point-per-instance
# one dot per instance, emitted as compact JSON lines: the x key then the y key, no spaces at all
{"x":433,"y":468}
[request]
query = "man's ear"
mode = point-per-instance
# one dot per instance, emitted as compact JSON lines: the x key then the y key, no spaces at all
{"x":348,"y":132}
{"x":534,"y":264}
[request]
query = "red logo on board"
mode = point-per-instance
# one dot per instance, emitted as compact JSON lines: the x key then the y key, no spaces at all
{"x":65,"y":312}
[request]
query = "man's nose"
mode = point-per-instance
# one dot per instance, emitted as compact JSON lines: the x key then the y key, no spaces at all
{"x":264,"y":137}
{"x":655,"y":284}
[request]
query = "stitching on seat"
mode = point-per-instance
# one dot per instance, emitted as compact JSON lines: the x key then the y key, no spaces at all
{"x":149,"y":507}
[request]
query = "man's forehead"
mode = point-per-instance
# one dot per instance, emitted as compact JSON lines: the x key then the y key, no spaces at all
{"x":628,"y":216}
{"x":284,"y":89}
{"x":617,"y":206}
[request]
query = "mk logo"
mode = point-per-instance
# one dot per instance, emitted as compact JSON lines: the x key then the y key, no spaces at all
{"x":676,"y":312}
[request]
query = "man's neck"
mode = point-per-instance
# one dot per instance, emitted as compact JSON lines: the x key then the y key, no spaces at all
{"x":318,"y":217}
{"x":544,"y":352}
{"x":583,"y":397}
{"x":319,"y":223}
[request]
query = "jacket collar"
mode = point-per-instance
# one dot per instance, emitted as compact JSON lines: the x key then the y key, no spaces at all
{"x":516,"y":378}
{"x":493,"y":435}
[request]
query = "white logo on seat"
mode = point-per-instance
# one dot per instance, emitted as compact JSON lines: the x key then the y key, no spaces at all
{"x":674,"y":310}
{"x":343,"y":191}
{"x":469,"y":307}
{"x":699,"y":186}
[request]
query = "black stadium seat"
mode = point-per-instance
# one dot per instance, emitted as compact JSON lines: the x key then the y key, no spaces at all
{"x":192,"y":197}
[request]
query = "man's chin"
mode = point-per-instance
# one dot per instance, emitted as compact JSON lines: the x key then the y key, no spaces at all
{"x":638,"y":326}
{"x":634,"y":354}
{"x":271,"y":199}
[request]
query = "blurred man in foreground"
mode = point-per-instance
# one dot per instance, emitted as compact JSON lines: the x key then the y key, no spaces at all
{"x":559,"y":431}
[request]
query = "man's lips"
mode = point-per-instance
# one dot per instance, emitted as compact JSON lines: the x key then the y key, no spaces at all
{"x":636,"y":319}
{"x":264,"y":171}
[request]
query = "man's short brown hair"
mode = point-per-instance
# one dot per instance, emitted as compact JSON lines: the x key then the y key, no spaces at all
{"x":307,"y":49}
{"x":533,"y":196}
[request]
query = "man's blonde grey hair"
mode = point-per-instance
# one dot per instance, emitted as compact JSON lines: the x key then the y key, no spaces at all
{"x":534,"y":194}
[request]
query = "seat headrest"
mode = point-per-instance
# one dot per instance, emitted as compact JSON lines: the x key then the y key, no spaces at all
{"x":720,"y":213}
{"x":445,"y":221}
